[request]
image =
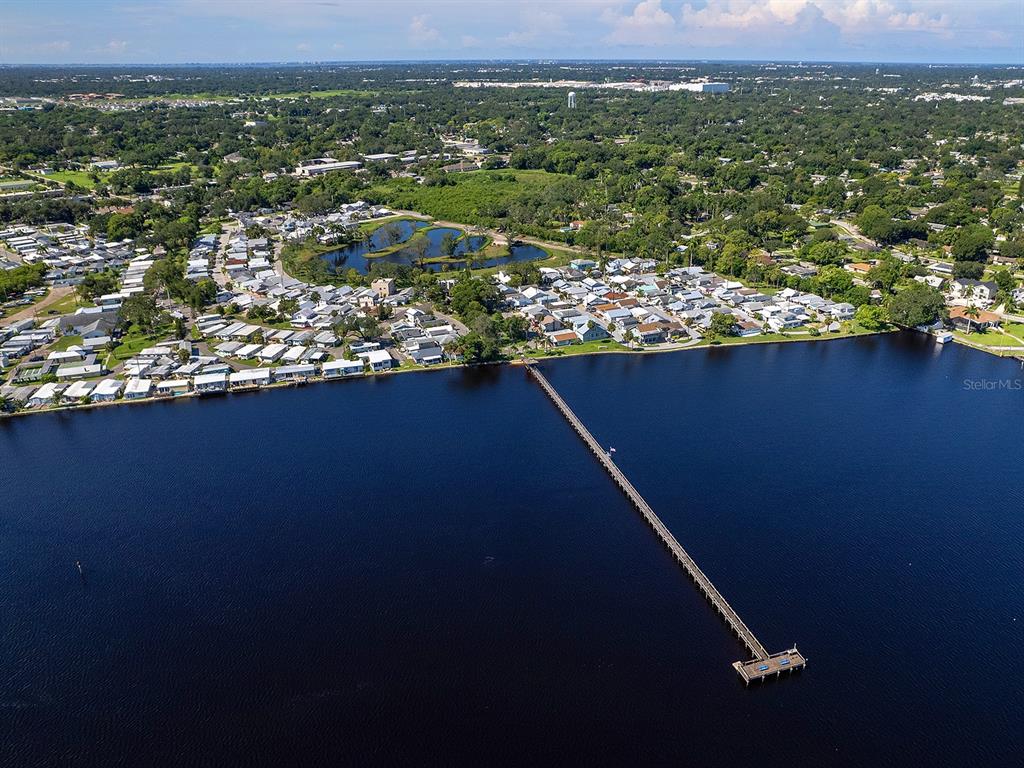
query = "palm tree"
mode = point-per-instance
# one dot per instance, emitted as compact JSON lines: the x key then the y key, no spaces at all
{"x":969,"y":313}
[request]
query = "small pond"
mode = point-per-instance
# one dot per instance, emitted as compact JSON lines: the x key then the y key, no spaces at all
{"x":359,"y":256}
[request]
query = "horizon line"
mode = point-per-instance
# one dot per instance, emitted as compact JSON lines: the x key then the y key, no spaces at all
{"x":516,"y":60}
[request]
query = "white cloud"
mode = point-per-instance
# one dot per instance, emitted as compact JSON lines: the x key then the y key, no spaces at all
{"x":54,"y":46}
{"x":111,"y":48}
{"x":241,"y":30}
{"x":648,"y":24}
{"x":303,"y":47}
{"x":850,"y":17}
{"x":757,"y":22}
{"x":420,"y":31}
{"x":537,"y":25}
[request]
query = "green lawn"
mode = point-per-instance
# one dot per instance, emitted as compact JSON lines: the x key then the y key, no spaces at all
{"x":849,"y":329}
{"x":80,"y":178}
{"x":990,"y":338}
{"x":374,"y":224}
{"x":1015,"y":329}
{"x":177,"y":165}
{"x":477,"y":197}
{"x":603,"y":345}
{"x":67,"y":305}
{"x":134,"y":342}
{"x":66,"y":341}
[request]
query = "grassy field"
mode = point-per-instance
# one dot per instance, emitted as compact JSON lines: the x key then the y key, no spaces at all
{"x":329,"y":94}
{"x":477,"y":197}
{"x":175,"y":165}
{"x":79,"y":178}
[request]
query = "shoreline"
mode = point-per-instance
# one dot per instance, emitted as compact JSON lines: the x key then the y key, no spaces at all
{"x":513,"y":361}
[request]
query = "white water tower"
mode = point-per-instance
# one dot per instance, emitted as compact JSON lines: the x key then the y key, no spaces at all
{"x":572,"y":99}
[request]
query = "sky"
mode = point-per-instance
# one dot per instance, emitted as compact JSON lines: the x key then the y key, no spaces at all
{"x":219,"y":31}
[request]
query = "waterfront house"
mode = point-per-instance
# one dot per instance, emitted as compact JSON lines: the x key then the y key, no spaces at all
{"x":172,"y":387}
{"x":136,"y":389}
{"x":251,"y":378}
{"x":378,"y":359}
{"x":338,"y":368}
{"x":962,"y":321}
{"x":591,"y":331}
{"x":562,"y":338}
{"x":46,"y":394}
{"x":210,"y":383}
{"x":427,"y":355}
{"x":295,"y":373}
{"x":785,"y":321}
{"x":649,"y":333}
{"x":76,"y":392}
{"x":842,"y":311}
{"x":107,"y":390}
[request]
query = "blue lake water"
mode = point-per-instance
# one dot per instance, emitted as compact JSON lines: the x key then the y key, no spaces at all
{"x":519,"y":252}
{"x":431,"y":569}
{"x":352,"y":256}
{"x":357,"y":255}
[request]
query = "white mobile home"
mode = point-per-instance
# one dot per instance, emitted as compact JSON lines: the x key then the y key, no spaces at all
{"x":252,"y":378}
{"x":173,"y":387}
{"x":210,"y":383}
{"x":45,"y":394}
{"x":77,"y":391}
{"x":272,"y":352}
{"x":378,"y":359}
{"x":136,"y":389}
{"x":107,"y":390}
{"x":302,"y":372}
{"x":338,"y":368}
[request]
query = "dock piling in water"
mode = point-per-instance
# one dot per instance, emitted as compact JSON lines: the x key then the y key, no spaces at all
{"x":762,"y":664}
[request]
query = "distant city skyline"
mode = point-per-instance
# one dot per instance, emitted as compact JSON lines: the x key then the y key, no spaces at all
{"x":241,"y":31}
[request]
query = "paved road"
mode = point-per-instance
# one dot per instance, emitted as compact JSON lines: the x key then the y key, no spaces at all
{"x":55,"y":295}
{"x":851,"y":230}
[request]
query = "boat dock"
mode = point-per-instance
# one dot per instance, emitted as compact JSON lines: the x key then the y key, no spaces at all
{"x":762,"y":664}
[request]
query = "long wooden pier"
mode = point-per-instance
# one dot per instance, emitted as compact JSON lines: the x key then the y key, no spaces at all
{"x":762,"y":664}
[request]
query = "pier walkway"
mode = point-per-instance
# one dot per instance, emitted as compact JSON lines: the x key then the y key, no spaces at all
{"x":763,"y":664}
